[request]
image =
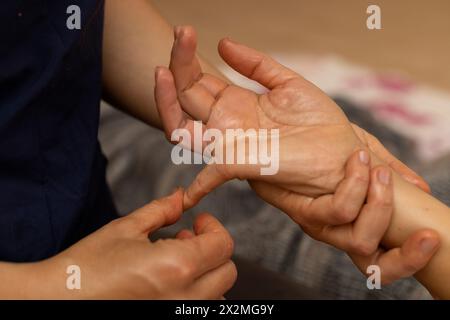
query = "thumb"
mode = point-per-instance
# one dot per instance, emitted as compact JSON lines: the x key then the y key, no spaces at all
{"x":214,"y":175}
{"x":159,"y":213}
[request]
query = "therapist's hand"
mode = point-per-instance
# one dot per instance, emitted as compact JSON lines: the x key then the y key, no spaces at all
{"x":119,"y":262}
{"x":316,"y":138}
{"x":369,"y":193}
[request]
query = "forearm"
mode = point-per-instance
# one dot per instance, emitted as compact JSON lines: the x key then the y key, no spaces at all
{"x":414,"y":210}
{"x":136,"y":40}
{"x":14,"y":280}
{"x":23,"y":281}
{"x":39,"y":280}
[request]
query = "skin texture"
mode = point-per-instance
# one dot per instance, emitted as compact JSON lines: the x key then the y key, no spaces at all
{"x":308,"y":171}
{"x":119,"y":262}
{"x":311,"y":126}
{"x":371,"y":192}
{"x":136,"y":40}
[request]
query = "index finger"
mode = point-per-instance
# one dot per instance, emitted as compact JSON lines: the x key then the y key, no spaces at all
{"x":197,"y":91}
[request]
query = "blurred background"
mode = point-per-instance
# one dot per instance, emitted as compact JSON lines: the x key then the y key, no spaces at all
{"x":415,"y":35}
{"x":394,"y":82}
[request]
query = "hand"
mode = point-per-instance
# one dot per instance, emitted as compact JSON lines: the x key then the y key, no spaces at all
{"x":119,"y":262}
{"x":316,"y":138}
{"x":361,"y":238}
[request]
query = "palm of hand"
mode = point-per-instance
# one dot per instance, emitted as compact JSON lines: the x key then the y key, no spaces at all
{"x":311,"y":126}
{"x":316,"y":138}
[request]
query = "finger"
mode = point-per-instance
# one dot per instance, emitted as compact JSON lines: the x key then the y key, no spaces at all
{"x":185,"y":234}
{"x":212,"y":246}
{"x":205,"y":182}
{"x":345,"y":205}
{"x":398,"y":166}
{"x":214,"y":284}
{"x":340,"y":208}
{"x":167,"y":103}
{"x":377,"y":147}
{"x":213,"y":176}
{"x":413,"y":256}
{"x":197,"y":91}
{"x":291,"y":203}
{"x":375,"y":217}
{"x":364,"y":235}
{"x":184,"y":63}
{"x":255,"y":65}
{"x":158,"y":213}
{"x":403,"y":262}
{"x":171,"y":113}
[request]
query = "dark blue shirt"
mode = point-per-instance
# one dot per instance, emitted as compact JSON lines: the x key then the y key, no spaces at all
{"x":52,"y":172}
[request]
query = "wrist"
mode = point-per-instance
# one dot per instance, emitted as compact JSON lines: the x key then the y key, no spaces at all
{"x":39,"y":280}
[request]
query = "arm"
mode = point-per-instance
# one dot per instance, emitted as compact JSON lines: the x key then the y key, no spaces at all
{"x":316,"y":139}
{"x":16,"y":280}
{"x":415,"y":209}
{"x":136,"y":40}
{"x":406,"y":220}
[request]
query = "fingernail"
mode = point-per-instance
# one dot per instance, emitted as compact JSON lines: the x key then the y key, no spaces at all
{"x":230,"y":40}
{"x":428,"y":245}
{"x":176,"y":31}
{"x":158,"y":70}
{"x":384,"y":176}
{"x":364,"y":157}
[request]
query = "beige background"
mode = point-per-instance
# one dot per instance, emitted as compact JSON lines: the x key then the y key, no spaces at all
{"x":415,"y":38}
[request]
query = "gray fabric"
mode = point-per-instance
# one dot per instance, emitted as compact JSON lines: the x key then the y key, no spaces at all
{"x":140,"y":170}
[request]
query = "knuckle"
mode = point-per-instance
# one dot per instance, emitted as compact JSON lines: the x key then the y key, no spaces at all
{"x":384,"y":205}
{"x":228,"y":244}
{"x":224,"y":171}
{"x":177,"y":264}
{"x":364,"y":247}
{"x":184,"y":269}
{"x":233,"y":273}
{"x":200,"y":184}
{"x":410,"y":267}
{"x":344,"y":211}
{"x":304,"y":214}
{"x":257,"y":67}
{"x":193,"y":83}
{"x":387,"y":203}
{"x":361,"y":178}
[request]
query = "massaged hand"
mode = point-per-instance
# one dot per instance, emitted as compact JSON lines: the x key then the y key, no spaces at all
{"x":316,"y":138}
{"x":119,"y":262}
{"x":369,"y":192}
